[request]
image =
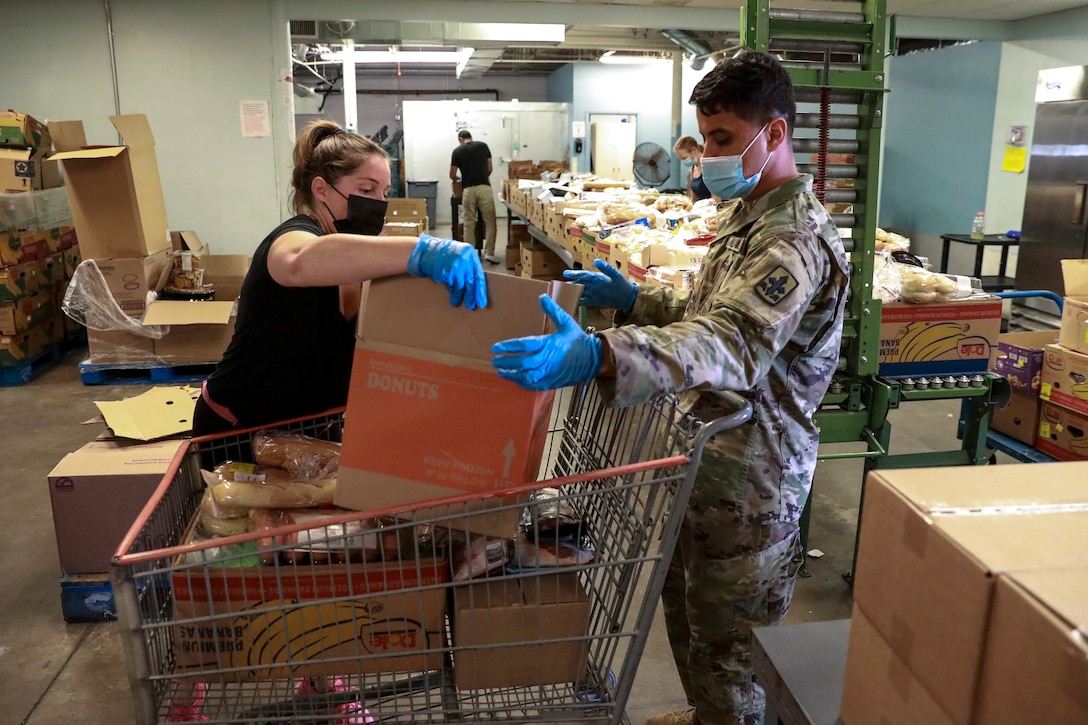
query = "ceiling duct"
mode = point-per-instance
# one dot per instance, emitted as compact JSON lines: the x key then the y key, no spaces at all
{"x":691,"y":45}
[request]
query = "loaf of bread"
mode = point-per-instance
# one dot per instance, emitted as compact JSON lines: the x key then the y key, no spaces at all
{"x":222,"y":521}
{"x":290,"y":494}
{"x":302,"y":456}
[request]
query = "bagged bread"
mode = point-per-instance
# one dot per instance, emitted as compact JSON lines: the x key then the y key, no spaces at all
{"x":301,"y":456}
{"x":222,"y":520}
{"x":290,"y":494}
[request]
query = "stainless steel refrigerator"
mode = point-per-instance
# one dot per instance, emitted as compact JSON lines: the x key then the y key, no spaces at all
{"x":1055,"y":223}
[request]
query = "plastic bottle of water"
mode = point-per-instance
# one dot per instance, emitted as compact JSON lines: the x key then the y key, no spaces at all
{"x":978,"y":226}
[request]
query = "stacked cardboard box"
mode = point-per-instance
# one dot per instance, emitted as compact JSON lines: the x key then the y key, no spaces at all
{"x":1063,"y":388}
{"x":540,"y":262}
{"x":1019,"y":359}
{"x":120,"y":222}
{"x":35,"y":235}
{"x":408,"y":211}
{"x":969,"y":598}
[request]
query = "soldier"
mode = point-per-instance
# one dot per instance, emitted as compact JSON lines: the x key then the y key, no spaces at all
{"x":764,"y":319}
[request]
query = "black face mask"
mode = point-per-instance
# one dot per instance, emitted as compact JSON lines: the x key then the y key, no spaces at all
{"x":365,"y":215}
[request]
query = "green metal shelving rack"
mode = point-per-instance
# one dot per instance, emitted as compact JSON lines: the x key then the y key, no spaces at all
{"x":836,"y":61}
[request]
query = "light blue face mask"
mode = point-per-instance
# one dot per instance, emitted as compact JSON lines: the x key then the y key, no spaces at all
{"x":689,"y":163}
{"x":724,"y":175}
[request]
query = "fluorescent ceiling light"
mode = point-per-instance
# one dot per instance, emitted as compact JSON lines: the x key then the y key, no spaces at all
{"x":374,"y":57}
{"x":612,"y":59}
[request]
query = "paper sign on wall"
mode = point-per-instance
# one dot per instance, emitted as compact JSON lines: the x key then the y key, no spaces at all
{"x":255,"y":121}
{"x":1015,"y":156}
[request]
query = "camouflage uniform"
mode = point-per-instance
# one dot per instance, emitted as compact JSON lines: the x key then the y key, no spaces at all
{"x":764,"y":319}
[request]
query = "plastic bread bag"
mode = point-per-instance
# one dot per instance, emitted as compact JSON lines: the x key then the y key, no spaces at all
{"x":886,"y":279}
{"x":302,"y":456}
{"x":222,"y":520}
{"x":236,"y":485}
{"x":473,"y":555}
{"x":548,"y":550}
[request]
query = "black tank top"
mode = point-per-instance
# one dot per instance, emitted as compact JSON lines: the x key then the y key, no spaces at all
{"x":292,"y":348}
{"x":698,"y":187}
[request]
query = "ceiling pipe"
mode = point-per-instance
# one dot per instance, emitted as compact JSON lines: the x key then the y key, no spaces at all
{"x":691,"y":45}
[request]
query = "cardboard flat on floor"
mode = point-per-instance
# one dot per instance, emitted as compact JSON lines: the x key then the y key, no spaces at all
{"x":1020,"y":358}
{"x":951,"y":338}
{"x":1074,"y":330}
{"x":1063,"y":433}
{"x":1065,"y":378}
{"x":115,"y":191}
{"x":1036,"y":665}
{"x":97,"y":492}
{"x":427,"y":415}
{"x":932,"y":541}
{"x":158,"y":413}
{"x":879,"y":686}
{"x":1019,"y":419}
{"x":503,"y":626}
{"x":290,"y":625}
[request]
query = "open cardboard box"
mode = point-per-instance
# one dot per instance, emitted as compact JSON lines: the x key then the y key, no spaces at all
{"x":201,"y":331}
{"x":115,"y":191}
{"x":934,"y":540}
{"x":427,"y":415}
{"x":1074,"y":331}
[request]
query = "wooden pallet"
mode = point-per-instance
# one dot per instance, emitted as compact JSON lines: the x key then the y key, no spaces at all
{"x":27,"y":370}
{"x":144,"y":375}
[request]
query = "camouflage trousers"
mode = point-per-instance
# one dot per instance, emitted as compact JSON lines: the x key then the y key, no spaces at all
{"x":725,"y":577}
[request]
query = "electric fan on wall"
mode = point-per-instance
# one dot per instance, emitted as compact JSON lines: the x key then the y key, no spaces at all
{"x":651,"y":164}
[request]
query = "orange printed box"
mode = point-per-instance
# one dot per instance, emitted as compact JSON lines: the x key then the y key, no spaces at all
{"x":424,"y":399}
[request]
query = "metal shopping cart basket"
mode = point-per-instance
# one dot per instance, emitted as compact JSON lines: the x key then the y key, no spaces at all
{"x":370,"y":618}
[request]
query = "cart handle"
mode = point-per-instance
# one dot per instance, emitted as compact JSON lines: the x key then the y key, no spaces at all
{"x":1053,"y":297}
{"x":741,"y":414}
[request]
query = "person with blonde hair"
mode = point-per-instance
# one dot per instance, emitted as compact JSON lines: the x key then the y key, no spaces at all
{"x":690,"y":152}
{"x":294,"y":338}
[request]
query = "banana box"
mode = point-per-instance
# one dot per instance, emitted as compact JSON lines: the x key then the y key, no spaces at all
{"x":266,"y":621}
{"x":1065,"y":378}
{"x":1063,"y":433}
{"x":950,"y":338}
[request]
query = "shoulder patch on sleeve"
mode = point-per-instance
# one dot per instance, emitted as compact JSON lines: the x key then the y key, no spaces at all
{"x":776,"y":286}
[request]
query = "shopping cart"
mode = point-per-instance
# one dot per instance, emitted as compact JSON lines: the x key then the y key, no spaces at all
{"x":253,"y":629}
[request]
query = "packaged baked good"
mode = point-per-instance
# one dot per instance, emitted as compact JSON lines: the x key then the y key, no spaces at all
{"x":302,"y":456}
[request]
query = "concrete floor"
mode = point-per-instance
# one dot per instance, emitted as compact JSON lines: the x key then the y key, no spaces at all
{"x":55,"y":672}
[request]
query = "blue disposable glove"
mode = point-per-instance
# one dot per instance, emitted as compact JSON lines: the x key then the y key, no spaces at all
{"x":545,"y":362}
{"x":606,"y":288}
{"x":453,"y":264}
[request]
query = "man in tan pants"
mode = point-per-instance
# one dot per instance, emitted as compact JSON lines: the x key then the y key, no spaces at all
{"x":472,"y":160}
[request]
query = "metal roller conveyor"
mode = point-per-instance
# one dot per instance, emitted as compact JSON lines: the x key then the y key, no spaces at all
{"x":834,"y":146}
{"x":848,"y":245}
{"x":835,"y":120}
{"x":818,"y":46}
{"x":808,"y":94}
{"x":841,"y":196}
{"x":820,"y":65}
{"x":817,"y":16}
{"x":844,"y":221}
{"x":834,"y":171}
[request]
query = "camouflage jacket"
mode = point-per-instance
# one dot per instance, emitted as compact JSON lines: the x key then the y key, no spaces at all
{"x":764,"y":319}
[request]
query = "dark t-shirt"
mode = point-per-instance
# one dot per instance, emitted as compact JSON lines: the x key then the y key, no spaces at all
{"x":471,"y":158}
{"x":292,"y":348}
